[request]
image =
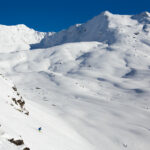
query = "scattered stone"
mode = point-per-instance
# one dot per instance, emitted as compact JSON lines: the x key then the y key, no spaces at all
{"x":125,"y":145}
{"x":14,"y":100}
{"x":21,"y":103}
{"x":26,"y":113}
{"x":26,"y":148}
{"x":11,"y":104}
{"x":14,"y":88}
{"x":38,"y":88}
{"x":19,"y":110}
{"x":136,"y":33}
{"x":16,"y":142}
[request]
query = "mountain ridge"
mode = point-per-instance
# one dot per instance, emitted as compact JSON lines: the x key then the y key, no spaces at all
{"x":102,"y":28}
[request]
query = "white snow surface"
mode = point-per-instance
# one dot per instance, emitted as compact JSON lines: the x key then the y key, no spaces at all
{"x":19,"y":37}
{"x":90,"y":92}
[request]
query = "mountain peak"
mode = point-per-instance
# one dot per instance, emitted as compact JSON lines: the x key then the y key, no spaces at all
{"x":23,"y":26}
{"x":18,"y":37}
{"x":18,"y":26}
{"x":106,"y":13}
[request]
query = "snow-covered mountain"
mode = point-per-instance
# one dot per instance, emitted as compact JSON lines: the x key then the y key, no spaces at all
{"x":106,"y":27}
{"x":87,"y":87}
{"x":19,"y":37}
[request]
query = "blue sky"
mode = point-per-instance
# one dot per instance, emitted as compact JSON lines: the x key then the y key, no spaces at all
{"x":50,"y":15}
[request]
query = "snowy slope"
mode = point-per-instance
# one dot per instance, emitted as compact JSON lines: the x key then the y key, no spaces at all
{"x":86,"y":95}
{"x":19,"y":37}
{"x":15,"y":124}
{"x":95,"y":91}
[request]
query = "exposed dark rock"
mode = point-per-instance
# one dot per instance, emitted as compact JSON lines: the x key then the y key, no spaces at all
{"x":14,"y":88}
{"x":26,"y":148}
{"x":26,"y":113}
{"x":16,"y":142}
{"x":21,"y":103}
{"x":14,"y":100}
{"x":38,"y":88}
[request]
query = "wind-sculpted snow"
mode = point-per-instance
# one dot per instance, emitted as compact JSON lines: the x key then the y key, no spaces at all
{"x":86,"y":95}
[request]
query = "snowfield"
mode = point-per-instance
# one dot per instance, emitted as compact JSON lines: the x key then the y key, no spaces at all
{"x":88,"y":87}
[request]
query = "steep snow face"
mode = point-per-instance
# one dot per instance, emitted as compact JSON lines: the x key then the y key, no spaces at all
{"x":106,"y":27}
{"x":19,"y":37}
